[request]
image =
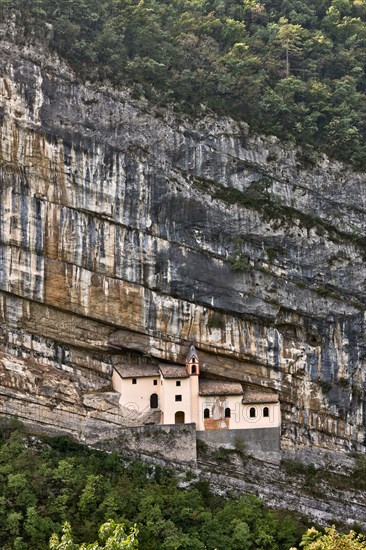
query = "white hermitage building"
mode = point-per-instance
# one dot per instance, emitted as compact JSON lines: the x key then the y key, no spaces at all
{"x":176,"y":394}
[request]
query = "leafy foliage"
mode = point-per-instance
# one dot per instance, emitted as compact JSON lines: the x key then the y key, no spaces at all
{"x":293,"y":69}
{"x":45,"y":483}
{"x":331,"y":540}
{"x":111,"y":534}
{"x":359,"y":471}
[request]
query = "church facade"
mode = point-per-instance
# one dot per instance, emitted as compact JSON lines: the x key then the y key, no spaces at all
{"x":177,"y":394}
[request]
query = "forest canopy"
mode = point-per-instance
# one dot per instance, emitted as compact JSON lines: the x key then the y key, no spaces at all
{"x":55,"y":493}
{"x":290,"y":68}
{"x":51,"y":484}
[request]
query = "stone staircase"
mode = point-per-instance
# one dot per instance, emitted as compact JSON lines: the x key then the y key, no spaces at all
{"x":130,"y":417}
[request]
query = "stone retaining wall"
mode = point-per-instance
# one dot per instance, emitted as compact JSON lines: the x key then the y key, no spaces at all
{"x":171,"y":442}
{"x":259,"y":439}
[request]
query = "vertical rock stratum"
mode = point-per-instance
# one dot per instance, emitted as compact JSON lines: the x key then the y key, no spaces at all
{"x":128,"y":230}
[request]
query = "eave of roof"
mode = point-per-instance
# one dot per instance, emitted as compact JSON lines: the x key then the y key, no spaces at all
{"x":173,"y":371}
{"x":259,"y":396}
{"x":219,"y":388}
{"x":137,"y":371}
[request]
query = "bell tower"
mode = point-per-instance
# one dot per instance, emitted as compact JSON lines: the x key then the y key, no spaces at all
{"x":193,"y":369}
{"x":192,"y":362}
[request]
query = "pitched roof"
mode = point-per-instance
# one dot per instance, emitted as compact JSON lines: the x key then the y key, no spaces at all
{"x":218,"y":387}
{"x":192,"y":353}
{"x":254,"y":394}
{"x":137,"y":371}
{"x":173,"y":371}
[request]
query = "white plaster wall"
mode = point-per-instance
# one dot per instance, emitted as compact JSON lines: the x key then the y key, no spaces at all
{"x":195,"y":406}
{"x":136,"y":396}
{"x":240,"y":414}
{"x":169,"y":391}
{"x":161,"y":397}
{"x":260,"y":421}
{"x":217,"y":407}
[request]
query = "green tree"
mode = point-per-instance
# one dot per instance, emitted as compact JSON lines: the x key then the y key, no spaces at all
{"x":112,"y":536}
{"x":331,"y":540}
{"x":290,"y":37}
{"x":44,"y":485}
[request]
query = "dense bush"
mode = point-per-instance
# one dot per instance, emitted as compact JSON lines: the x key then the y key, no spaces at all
{"x":291,"y":68}
{"x":44,"y":484}
{"x":332,"y":540}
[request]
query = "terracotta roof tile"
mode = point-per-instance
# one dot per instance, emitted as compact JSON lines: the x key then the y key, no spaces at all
{"x":259,"y":395}
{"x":137,"y":371}
{"x":218,"y":387}
{"x":173,"y":371}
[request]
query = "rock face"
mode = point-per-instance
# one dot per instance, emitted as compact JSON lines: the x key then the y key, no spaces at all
{"x":126,"y":230}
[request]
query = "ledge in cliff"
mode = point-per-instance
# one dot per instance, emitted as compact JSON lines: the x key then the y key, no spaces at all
{"x":127,"y":230}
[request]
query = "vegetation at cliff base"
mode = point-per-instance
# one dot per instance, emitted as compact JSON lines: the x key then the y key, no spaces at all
{"x":290,"y":68}
{"x":331,"y":540}
{"x":55,"y":493}
{"x":45,"y":483}
{"x":115,"y":537}
{"x":111,"y":534}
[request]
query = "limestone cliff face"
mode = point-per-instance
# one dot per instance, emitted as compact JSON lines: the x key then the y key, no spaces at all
{"x":128,"y":230}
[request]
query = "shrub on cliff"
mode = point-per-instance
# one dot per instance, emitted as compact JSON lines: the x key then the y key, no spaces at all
{"x":8,"y":425}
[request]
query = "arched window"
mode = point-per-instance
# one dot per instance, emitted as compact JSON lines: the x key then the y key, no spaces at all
{"x":252,"y":412}
{"x":206,"y":413}
{"x":266,"y":411}
{"x":228,"y":412}
{"x":154,"y":401}
{"x":193,"y":359}
{"x":194,"y":370}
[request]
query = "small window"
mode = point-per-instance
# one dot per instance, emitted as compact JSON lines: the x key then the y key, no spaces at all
{"x":177,"y":383}
{"x":178,"y":398}
{"x":227,"y":412}
{"x":134,"y":381}
{"x":194,"y":370}
{"x":206,"y":413}
{"x":193,"y":359}
{"x":155,"y":382}
{"x":252,"y":412}
{"x":266,"y":411}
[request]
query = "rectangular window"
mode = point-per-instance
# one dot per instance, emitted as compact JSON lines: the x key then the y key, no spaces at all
{"x":155,"y":382}
{"x":177,"y":383}
{"x":178,"y":398}
{"x":134,"y":381}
